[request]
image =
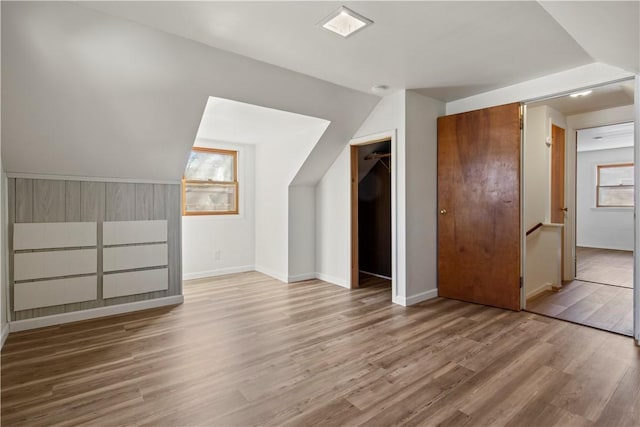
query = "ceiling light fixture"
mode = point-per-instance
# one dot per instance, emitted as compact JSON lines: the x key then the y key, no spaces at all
{"x":578,"y":94}
{"x":345,"y":22}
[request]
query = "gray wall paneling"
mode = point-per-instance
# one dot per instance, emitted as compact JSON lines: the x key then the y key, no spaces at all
{"x":121,"y":201}
{"x":49,"y":201}
{"x":174,"y":237}
{"x":24,"y":200}
{"x":73,"y":196}
{"x":33,"y":200}
{"x":144,"y":202}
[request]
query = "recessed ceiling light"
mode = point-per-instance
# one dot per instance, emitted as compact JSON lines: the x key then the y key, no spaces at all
{"x":345,"y":22}
{"x":578,"y":94}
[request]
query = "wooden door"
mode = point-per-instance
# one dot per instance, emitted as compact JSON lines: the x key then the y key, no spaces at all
{"x":479,"y":206}
{"x":558,"y":207}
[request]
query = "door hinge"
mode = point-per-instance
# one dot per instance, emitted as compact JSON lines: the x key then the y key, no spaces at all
{"x":521,"y":117}
{"x":520,"y":282}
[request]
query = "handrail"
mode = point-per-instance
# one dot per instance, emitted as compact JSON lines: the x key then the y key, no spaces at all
{"x":534,"y":228}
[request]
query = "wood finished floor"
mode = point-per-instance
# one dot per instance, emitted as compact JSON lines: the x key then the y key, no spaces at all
{"x":366,"y":280}
{"x":248,"y":350}
{"x":605,"y":266}
{"x":592,"y":304}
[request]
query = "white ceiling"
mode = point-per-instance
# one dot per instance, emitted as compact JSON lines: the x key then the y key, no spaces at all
{"x":446,"y":50}
{"x":605,"y":137}
{"x":601,"y":98}
{"x":235,"y":122}
{"x":88,"y":94}
{"x":608,"y":30}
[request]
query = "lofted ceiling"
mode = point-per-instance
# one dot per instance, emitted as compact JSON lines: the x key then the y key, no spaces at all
{"x":445,"y":50}
{"x":608,"y":30}
{"x":235,"y":122}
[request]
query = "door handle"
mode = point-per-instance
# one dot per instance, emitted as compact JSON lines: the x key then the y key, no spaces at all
{"x":564,"y":209}
{"x":443,"y":211}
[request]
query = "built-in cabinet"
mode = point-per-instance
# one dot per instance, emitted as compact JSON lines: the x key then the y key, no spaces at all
{"x":79,"y":245}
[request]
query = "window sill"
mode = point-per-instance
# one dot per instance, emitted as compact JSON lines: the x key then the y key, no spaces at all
{"x":219,"y":217}
{"x":613,"y":209}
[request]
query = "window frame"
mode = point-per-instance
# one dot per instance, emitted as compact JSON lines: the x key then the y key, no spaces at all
{"x":598,"y":186}
{"x":235,"y":183}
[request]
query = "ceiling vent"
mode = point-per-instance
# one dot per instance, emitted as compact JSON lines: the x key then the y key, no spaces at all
{"x":345,"y":22}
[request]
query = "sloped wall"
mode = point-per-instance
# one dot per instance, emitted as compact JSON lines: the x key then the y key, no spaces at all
{"x":87,"y":94}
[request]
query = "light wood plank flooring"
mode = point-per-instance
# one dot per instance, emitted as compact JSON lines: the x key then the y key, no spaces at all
{"x":248,"y":350}
{"x":605,"y":266}
{"x":367,"y":280}
{"x":592,"y":304}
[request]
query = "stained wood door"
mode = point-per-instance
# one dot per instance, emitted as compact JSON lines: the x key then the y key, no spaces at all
{"x":558,"y":208}
{"x":479,"y":206}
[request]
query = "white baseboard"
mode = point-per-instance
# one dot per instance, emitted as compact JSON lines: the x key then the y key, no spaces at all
{"x":75,"y":316}
{"x":269,"y":272}
{"x":605,"y":247}
{"x":415,"y":299}
{"x":333,"y":280}
{"x":5,"y":334}
{"x":301,"y":277}
{"x":543,"y":288}
{"x":218,"y":272}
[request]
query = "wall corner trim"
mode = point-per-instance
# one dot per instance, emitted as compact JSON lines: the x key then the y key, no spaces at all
{"x":76,"y":316}
{"x":415,"y":299}
{"x":217,"y":272}
{"x":333,"y":280}
{"x":271,"y":273}
{"x":5,"y":334}
{"x":302,"y":277}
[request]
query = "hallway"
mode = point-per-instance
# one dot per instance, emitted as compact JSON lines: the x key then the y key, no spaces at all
{"x":593,"y":304}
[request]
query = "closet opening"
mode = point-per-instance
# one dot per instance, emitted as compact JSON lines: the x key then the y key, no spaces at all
{"x":371,"y":214}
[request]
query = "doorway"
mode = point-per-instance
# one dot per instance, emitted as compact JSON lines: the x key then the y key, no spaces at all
{"x":579,"y":263}
{"x":371,"y":214}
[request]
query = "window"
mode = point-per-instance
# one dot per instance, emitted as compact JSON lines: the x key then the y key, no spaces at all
{"x":210,"y":182}
{"x":615,"y":185}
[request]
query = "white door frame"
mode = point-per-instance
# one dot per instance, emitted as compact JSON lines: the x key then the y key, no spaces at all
{"x":570,"y":171}
{"x":364,"y":140}
{"x":570,"y":237}
{"x":636,"y":263}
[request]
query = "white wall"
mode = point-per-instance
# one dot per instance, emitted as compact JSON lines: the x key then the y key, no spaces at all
{"x":636,"y":269}
{"x":421,"y":164}
{"x":607,"y":228}
{"x":582,"y":121}
{"x":4,"y":276}
{"x":536,"y":167}
{"x":333,"y":197}
{"x":277,"y":163}
{"x":414,"y":119}
{"x":112,"y":92}
{"x":302,"y":229}
{"x":221,"y":244}
{"x":542,"y":267}
{"x":542,"y":251}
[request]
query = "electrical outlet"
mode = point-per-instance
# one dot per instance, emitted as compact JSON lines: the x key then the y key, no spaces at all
{"x":217,"y":255}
